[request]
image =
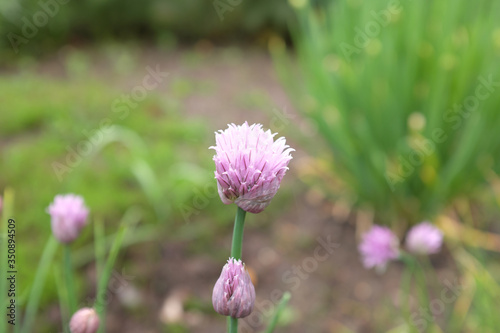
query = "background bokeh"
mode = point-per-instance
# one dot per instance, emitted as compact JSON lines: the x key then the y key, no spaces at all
{"x":118,"y":101}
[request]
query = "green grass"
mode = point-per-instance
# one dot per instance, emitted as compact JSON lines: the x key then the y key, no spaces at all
{"x":382,"y":97}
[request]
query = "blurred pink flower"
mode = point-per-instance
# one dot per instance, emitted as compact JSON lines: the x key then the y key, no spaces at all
{"x":378,"y":246}
{"x":84,"y":320}
{"x":234,"y":293}
{"x":1,"y":204}
{"x":249,"y":165}
{"x":68,"y":216}
{"x":424,"y":238}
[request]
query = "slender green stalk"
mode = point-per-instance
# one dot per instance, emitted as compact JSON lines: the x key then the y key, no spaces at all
{"x":38,"y":284}
{"x":100,"y":253}
{"x":62,"y":300}
{"x":106,"y":274}
{"x":99,"y":246}
{"x":239,"y":223}
{"x":69,"y":279}
{"x":233,"y":325}
{"x":406,"y":291}
{"x":427,"y":267}
{"x":277,"y":313}
{"x":131,"y":218}
{"x":422,"y":285}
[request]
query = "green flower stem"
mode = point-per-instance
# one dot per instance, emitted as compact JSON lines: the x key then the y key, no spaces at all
{"x":62,"y":301}
{"x":38,"y":284}
{"x":106,"y":274}
{"x":239,"y":223}
{"x":422,"y":285}
{"x":99,"y":246}
{"x":233,"y":325}
{"x":418,"y":272}
{"x":131,"y":218}
{"x":276,"y":316}
{"x":427,"y":267}
{"x":68,"y":277}
{"x":406,"y":291}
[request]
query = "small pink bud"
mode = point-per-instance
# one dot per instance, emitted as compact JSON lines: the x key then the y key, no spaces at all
{"x":424,"y":238}
{"x":249,"y":165}
{"x":68,"y":216}
{"x":234,"y":293}
{"x":378,"y":246}
{"x":84,"y":320}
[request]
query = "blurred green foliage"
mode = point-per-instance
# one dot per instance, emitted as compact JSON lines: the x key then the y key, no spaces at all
{"x":39,"y":26}
{"x":406,"y":95}
{"x":153,"y":164}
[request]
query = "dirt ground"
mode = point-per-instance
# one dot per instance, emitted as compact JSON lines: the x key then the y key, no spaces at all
{"x":307,"y":252}
{"x":310,"y":251}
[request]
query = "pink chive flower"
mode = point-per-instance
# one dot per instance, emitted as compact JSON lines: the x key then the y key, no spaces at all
{"x":84,"y":320}
{"x":249,"y":165}
{"x":424,"y":238}
{"x":234,"y":293}
{"x":378,"y":246}
{"x":68,"y":216}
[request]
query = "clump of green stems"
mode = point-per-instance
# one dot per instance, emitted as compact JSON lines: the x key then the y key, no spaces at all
{"x":397,"y":90}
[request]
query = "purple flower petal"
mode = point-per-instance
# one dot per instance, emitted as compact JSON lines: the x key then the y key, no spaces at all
{"x":234,"y":293}
{"x":68,"y":216}
{"x":424,"y":238}
{"x":378,"y":246}
{"x":249,"y":165}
